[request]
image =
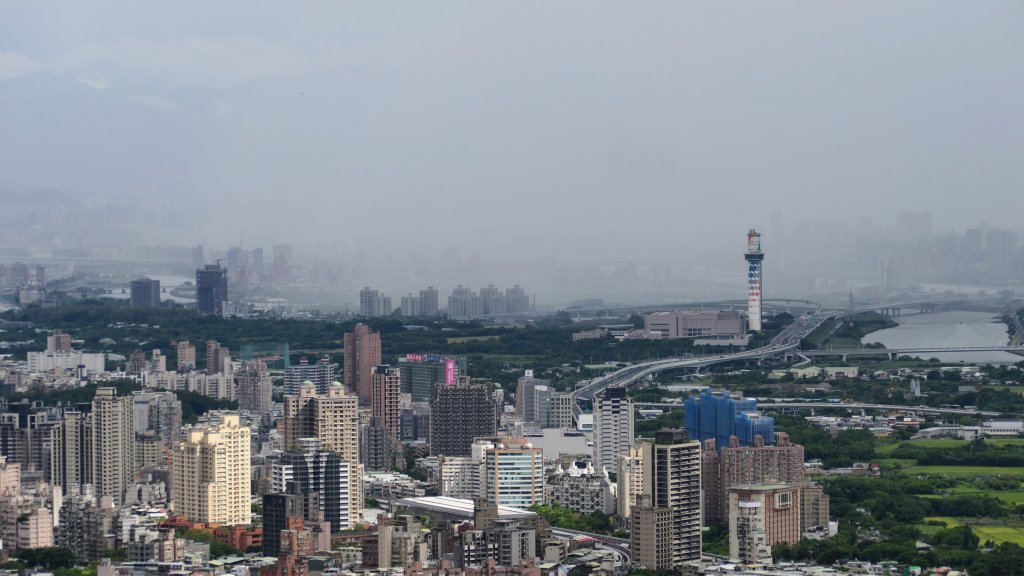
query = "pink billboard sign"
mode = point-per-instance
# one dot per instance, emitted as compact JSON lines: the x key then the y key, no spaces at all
{"x":449,"y":371}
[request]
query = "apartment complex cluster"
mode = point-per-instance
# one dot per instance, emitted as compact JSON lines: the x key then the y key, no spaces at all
{"x":463,"y":303}
{"x":25,"y":285}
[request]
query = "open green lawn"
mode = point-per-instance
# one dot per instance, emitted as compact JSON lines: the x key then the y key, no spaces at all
{"x":999,"y":534}
{"x":886,"y":449}
{"x":1017,"y":389}
{"x":964,"y":471}
{"x":889,"y":463}
{"x":985,"y":532}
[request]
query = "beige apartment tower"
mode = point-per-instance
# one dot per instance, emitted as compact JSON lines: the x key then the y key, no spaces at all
{"x":362,"y":353}
{"x":651,"y":538}
{"x":113,"y":443}
{"x":613,"y":427}
{"x":211,"y":473}
{"x":672,"y":480}
{"x":629,"y":481}
{"x":333,"y":418}
{"x":762,"y":515}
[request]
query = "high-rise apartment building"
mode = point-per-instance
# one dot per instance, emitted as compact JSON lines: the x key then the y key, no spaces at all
{"x":157,"y":420}
{"x":464,"y":304}
{"x":145,"y":293}
{"x":410,"y":306}
{"x":218,"y":358}
{"x":672,"y":481}
{"x":278,"y":509}
{"x":459,"y":413}
{"x":368,"y":302}
{"x":254,"y":388}
{"x":613,"y":427}
{"x":492,"y":301}
{"x":748,"y":541}
{"x":58,"y":341}
{"x":464,"y":476}
{"x":652,"y":536}
{"x":514,"y":472}
{"x":113,"y":443}
{"x":333,"y":418}
{"x":211,"y":289}
{"x":362,"y":353}
{"x":423,"y":373}
{"x":157,"y":413}
{"x":516,"y":300}
{"x":721,"y":415}
{"x":372,"y":304}
{"x":428,"y":302}
{"x":533,"y":398}
{"x":212,"y":473}
{"x":325,"y":473}
{"x":71,"y":447}
{"x":739,"y":465}
{"x":186,"y":356}
{"x":386,"y":384}
{"x":321,"y":374}
{"x":760,"y":516}
{"x":629,"y":481}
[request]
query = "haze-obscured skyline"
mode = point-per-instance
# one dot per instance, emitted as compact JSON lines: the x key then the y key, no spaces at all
{"x":573,"y":131}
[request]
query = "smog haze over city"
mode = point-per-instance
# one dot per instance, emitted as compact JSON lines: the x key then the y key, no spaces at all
{"x":579,"y":149}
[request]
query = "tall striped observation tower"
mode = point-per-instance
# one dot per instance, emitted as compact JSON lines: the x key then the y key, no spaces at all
{"x":754,"y":258}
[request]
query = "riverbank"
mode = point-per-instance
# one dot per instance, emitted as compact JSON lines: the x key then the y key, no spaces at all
{"x":956,"y":329}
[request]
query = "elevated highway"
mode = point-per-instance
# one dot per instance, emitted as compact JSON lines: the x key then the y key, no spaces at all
{"x":787,"y":340}
{"x":620,"y":545}
{"x":767,"y":404}
{"x":896,"y":352}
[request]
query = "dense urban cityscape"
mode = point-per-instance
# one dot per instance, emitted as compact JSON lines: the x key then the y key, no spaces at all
{"x":145,"y":450}
{"x":511,"y":289}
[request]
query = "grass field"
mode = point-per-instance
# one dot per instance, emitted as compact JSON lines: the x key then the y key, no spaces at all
{"x":887,"y":449}
{"x":985,"y":532}
{"x":999,"y":534}
{"x":964,"y":471}
{"x":1017,"y":389}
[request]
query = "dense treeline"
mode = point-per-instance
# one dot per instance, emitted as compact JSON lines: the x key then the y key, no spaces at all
{"x":492,"y":352}
{"x":976,"y":453}
{"x":879,"y":518}
{"x":843,"y":449}
{"x":596,"y":522}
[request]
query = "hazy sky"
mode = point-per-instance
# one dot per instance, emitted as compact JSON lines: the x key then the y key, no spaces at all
{"x":580,"y":129}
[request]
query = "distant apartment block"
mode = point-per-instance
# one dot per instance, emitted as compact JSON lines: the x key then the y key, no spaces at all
{"x":465,"y":304}
{"x":145,"y":293}
{"x":320,"y":374}
{"x":372,"y":304}
{"x":211,"y":289}
{"x":682,"y":324}
{"x":362,"y":352}
{"x":428,"y":302}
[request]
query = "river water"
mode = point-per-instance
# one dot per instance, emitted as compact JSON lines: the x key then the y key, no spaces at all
{"x":949,"y":330}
